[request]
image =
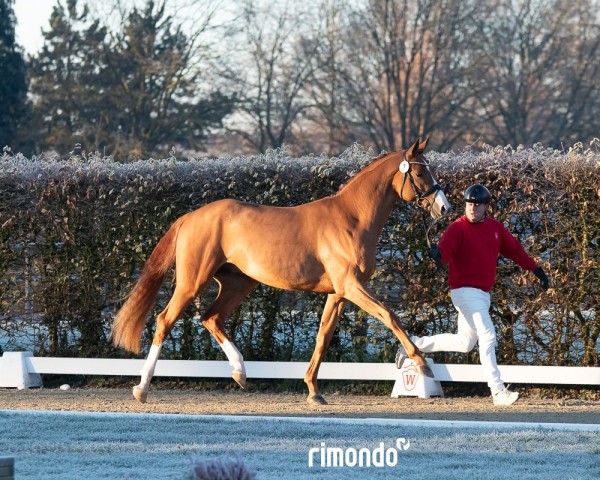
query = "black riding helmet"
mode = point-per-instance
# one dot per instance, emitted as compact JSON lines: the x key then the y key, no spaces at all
{"x":477,"y":194}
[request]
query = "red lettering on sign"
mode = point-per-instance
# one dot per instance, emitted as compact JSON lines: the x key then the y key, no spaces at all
{"x":409,"y":377}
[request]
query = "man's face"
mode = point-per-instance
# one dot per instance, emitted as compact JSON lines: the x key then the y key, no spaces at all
{"x":475,"y":212}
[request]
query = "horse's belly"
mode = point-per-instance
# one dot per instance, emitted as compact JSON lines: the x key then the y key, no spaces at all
{"x":287,"y":272}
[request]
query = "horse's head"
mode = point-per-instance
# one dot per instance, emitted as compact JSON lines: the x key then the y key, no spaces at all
{"x":414,"y":182}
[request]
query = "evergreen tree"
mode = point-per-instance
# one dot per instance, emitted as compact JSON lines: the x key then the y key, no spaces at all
{"x":66,"y":84}
{"x":13,"y":79}
{"x":155,"y":86}
{"x":130,"y":94}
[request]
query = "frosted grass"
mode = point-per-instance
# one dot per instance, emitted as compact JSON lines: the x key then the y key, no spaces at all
{"x":63,"y":445}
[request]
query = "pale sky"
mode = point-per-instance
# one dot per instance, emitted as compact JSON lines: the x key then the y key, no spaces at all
{"x":32,"y":15}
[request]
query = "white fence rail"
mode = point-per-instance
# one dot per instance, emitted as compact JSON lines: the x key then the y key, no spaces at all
{"x":23,"y":370}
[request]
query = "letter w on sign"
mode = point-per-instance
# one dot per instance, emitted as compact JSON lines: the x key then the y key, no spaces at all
{"x":409,"y":377}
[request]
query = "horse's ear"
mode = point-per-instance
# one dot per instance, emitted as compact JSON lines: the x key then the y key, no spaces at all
{"x":413,"y":151}
{"x":423,"y":146}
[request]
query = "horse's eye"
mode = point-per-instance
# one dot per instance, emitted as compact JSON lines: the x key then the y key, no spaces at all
{"x":420,"y":174}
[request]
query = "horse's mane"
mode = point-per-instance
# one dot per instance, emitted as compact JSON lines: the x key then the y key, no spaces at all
{"x":369,"y":168}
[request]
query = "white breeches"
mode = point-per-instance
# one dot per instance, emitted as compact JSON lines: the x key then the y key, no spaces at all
{"x":474,"y":325}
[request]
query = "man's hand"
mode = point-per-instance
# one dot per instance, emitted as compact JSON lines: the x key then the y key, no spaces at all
{"x":435,"y":254}
{"x":544,"y":280}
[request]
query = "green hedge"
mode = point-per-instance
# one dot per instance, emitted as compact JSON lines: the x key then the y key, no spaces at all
{"x":76,"y":232}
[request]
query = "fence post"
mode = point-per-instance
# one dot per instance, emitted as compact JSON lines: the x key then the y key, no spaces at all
{"x":14,"y":371}
{"x":7,"y":468}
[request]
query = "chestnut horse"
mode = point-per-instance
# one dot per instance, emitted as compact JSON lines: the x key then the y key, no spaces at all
{"x":326,"y":246}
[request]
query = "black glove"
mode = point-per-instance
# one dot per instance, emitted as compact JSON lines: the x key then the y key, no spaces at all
{"x":435,"y":254}
{"x":545,"y":281}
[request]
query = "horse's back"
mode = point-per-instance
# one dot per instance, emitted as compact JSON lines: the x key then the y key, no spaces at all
{"x":278,"y":246}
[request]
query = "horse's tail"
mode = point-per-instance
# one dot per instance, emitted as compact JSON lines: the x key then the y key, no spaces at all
{"x":130,"y":320}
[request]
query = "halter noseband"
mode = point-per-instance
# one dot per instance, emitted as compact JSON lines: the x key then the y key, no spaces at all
{"x":419,"y":195}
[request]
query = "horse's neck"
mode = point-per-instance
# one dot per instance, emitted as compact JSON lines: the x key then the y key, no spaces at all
{"x":370,"y":197}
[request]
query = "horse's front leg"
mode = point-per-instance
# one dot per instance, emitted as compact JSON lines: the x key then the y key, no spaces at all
{"x":329,"y":320}
{"x":358,"y":295}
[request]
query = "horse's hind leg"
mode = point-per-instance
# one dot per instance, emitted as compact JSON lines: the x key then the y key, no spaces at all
{"x":234,"y":286}
{"x":192,"y":274}
{"x":329,"y":320}
{"x":164,"y":324}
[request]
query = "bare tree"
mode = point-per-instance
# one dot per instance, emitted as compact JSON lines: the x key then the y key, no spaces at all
{"x":273,"y":73}
{"x":542,"y":58}
{"x":575,"y":117}
{"x":406,"y":71}
{"x":500,"y":71}
{"x":326,"y":128}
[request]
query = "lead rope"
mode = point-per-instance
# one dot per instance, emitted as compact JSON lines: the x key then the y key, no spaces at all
{"x":427,"y":229}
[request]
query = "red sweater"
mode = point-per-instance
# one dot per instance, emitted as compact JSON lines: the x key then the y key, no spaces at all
{"x":471,"y":252}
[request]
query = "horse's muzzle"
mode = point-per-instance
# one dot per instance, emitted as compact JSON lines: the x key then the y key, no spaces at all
{"x":440,"y":205}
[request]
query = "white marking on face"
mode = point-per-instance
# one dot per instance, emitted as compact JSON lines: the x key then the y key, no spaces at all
{"x":440,"y":205}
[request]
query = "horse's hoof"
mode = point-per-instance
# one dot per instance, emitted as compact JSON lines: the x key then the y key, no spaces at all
{"x":400,"y":358}
{"x":425,"y":370}
{"x":140,"y":394}
{"x":240,"y":378}
{"x":316,"y":400}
